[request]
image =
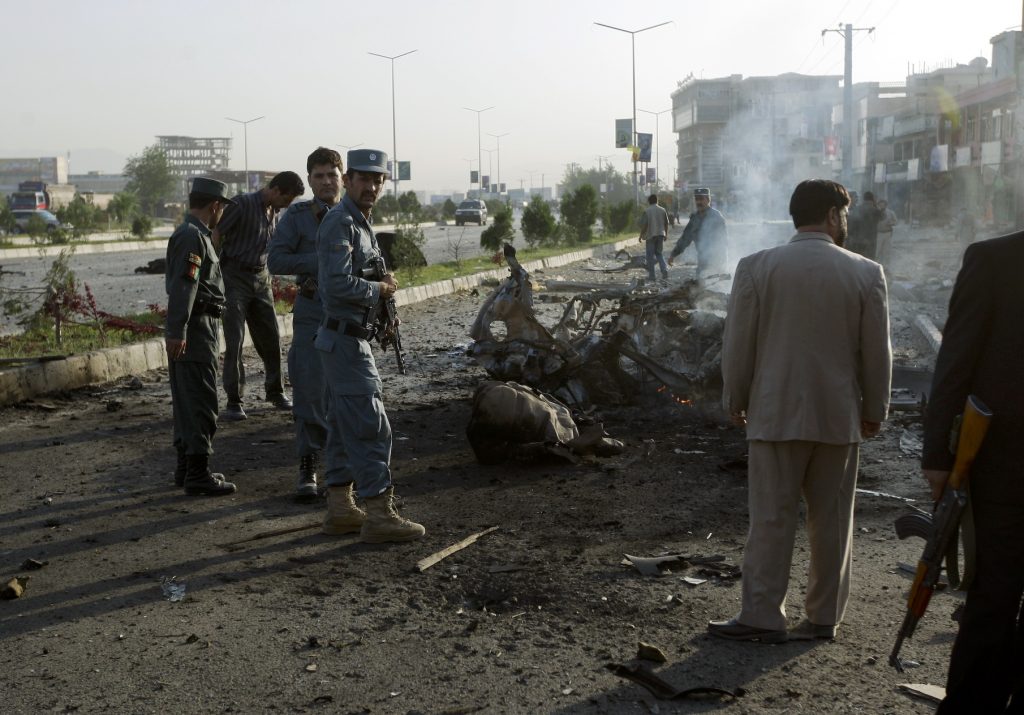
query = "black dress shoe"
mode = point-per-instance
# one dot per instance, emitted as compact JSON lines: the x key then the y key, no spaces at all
{"x":733,"y":630}
{"x":281,"y":402}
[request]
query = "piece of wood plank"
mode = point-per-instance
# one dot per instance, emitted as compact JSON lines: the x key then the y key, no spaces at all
{"x":231,"y":545}
{"x":425,"y":563}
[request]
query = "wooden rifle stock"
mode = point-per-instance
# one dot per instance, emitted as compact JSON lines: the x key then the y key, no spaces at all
{"x":946,"y":520}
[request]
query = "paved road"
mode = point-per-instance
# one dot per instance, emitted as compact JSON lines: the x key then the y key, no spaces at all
{"x":118,"y":289}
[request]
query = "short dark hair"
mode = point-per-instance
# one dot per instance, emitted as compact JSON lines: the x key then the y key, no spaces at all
{"x":323,"y":155}
{"x":201,"y":201}
{"x":869,"y":196}
{"x":812,"y":199}
{"x":652,"y":199}
{"x":288,"y":183}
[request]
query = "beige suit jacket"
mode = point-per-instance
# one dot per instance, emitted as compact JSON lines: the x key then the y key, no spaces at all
{"x":806,"y":349}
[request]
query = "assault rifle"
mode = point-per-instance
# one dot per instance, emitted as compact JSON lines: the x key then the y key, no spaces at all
{"x":384,"y":318}
{"x":945,"y":521}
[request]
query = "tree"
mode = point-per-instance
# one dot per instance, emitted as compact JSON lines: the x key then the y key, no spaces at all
{"x":448,"y":210}
{"x":123,"y":207}
{"x":82,"y":215}
{"x":538,"y":223}
{"x":621,"y":216}
{"x":501,"y":231}
{"x":150,"y":178}
{"x":409,"y":205}
{"x":6,"y":217}
{"x":386,"y":206}
{"x":579,"y":211}
{"x":618,"y":187}
{"x":142,"y":227}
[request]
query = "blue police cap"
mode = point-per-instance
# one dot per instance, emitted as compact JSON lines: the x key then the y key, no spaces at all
{"x":210,"y":187}
{"x":371,"y":160}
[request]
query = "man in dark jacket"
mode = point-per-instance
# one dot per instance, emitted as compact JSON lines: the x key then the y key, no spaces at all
{"x":195,"y":303}
{"x":982,"y":345}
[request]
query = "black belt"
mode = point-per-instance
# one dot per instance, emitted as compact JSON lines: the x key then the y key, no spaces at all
{"x":214,"y":309}
{"x":259,"y":268}
{"x":353,"y":330}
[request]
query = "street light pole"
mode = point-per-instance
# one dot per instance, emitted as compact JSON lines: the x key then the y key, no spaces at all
{"x":470,"y":162}
{"x":394,"y":131}
{"x":245,"y":134}
{"x":657,"y":137}
{"x":497,"y":139}
{"x":490,"y":167}
{"x":632,"y":37}
{"x":479,"y":151}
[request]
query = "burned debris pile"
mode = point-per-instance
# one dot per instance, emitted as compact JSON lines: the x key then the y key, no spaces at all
{"x":612,"y":345}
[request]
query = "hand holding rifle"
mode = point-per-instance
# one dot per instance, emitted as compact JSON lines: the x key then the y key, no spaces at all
{"x":950,"y":490}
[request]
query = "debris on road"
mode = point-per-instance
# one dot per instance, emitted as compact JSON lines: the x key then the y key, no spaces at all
{"x":173,"y":590}
{"x":926,"y":691}
{"x":662,"y":689}
{"x":646,"y":651}
{"x":15,"y":588}
{"x":424,"y":564}
{"x":33,"y":564}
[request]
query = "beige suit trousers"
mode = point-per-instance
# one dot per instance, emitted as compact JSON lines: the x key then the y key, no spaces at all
{"x":826,"y":476}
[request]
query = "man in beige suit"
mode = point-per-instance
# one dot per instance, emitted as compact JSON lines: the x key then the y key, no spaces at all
{"x":806,"y":362}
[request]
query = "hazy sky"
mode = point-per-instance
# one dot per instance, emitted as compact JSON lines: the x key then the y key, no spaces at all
{"x":100,"y":79}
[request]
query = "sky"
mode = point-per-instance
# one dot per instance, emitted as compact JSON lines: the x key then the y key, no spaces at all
{"x":101,"y":79}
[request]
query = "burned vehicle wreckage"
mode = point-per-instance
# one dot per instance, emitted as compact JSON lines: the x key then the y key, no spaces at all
{"x":614,"y":344}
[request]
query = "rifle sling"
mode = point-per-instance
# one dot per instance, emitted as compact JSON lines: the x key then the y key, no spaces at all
{"x":965,"y":534}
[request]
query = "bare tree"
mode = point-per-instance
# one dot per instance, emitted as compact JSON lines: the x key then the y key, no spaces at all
{"x":455,"y":246}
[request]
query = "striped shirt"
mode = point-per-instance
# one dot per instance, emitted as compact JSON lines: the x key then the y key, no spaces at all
{"x":245,"y":231}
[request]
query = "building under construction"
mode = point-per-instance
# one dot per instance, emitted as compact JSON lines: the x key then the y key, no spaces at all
{"x":195,"y":156}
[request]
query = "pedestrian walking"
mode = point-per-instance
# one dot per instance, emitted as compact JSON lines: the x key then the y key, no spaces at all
{"x":806,"y":365}
{"x":195,"y":303}
{"x":242,"y":239}
{"x":653,"y":230}
{"x":292,"y":250}
{"x":886,"y":225}
{"x":346,"y":248}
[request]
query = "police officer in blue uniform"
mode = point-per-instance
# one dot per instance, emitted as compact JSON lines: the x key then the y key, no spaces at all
{"x":195,"y":303}
{"x":706,"y":230}
{"x":346,"y":246}
{"x":293,"y":251}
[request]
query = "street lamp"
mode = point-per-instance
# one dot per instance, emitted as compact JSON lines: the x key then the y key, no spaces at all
{"x":347,"y":147}
{"x":470,"y":162}
{"x":657,"y":138}
{"x":394,"y":132}
{"x":490,"y":167}
{"x":245,"y":133}
{"x":479,"y":151}
{"x":497,"y":139}
{"x":632,"y":39}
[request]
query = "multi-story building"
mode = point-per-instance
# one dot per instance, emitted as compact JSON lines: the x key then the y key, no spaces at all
{"x":751,"y":140}
{"x":955,"y":141}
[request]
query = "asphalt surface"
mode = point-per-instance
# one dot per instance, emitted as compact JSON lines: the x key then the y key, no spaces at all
{"x":119,"y":289}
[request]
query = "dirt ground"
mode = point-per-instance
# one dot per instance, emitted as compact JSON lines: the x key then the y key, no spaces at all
{"x":526,"y":620}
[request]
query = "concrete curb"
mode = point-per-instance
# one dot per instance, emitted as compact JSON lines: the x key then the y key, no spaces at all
{"x":28,"y":381}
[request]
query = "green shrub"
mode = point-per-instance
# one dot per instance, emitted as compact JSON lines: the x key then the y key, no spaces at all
{"x":538,"y":223}
{"x":500,"y":231}
{"x":142,"y":227}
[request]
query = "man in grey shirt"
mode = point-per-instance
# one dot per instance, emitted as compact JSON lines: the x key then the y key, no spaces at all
{"x":654,"y":228}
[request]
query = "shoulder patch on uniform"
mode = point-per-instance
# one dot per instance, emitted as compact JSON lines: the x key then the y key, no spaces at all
{"x":195,"y":260}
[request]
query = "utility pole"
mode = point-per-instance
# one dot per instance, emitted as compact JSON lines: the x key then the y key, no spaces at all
{"x":394,"y":131}
{"x":847,"y":31}
{"x":497,"y":139}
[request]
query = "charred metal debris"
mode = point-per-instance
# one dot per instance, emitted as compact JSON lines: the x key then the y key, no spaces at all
{"x":612,"y":344}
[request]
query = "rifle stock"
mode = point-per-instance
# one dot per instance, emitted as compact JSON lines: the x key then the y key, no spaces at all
{"x":945,"y":520}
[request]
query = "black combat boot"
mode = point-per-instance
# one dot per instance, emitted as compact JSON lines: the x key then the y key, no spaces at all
{"x":305,"y":488}
{"x":181,"y":469}
{"x":199,"y":481}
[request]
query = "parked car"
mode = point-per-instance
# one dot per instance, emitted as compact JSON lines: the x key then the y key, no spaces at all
{"x":471,"y":210}
{"x":21,"y":217}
